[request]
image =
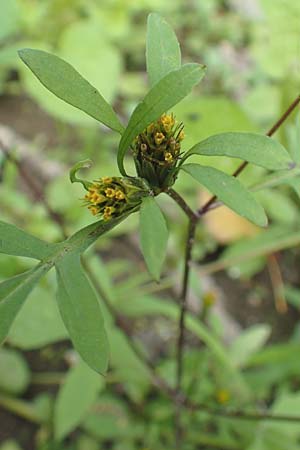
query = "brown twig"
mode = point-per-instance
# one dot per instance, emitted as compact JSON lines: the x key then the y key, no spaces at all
{"x":209,"y":204}
{"x":181,"y":331}
{"x":277,"y":284}
{"x":183,"y":205}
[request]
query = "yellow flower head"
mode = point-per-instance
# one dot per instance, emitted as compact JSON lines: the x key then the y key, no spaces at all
{"x":159,"y":138}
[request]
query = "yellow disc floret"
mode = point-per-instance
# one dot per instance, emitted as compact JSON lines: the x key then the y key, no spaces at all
{"x":110,"y":192}
{"x":119,"y":195}
{"x":159,"y":138}
{"x":168,"y":157}
{"x":108,"y":211}
{"x":168,"y":122}
{"x":106,"y":180}
{"x":94,"y":210}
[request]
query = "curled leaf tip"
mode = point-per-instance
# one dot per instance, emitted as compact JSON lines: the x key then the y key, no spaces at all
{"x":85,"y":164}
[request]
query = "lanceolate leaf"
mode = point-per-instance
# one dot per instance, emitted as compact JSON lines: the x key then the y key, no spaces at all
{"x":162,"y":49}
{"x":230,"y":191}
{"x":153,"y":235}
{"x":13,"y":293}
{"x":163,"y":95}
{"x":66,"y":83}
{"x":255,"y":148}
{"x":81,"y":313}
{"x":14,"y":241}
{"x":74,"y":399}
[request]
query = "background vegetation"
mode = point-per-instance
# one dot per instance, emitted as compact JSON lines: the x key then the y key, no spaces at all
{"x":243,"y":332}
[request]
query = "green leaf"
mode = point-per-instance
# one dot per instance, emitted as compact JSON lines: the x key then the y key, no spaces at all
{"x":65,"y":82}
{"x":13,"y":293}
{"x":14,"y":241}
{"x":230,"y":191}
{"x":162,"y":49}
{"x":271,"y":240}
{"x":39,"y":322}
{"x":81,"y":313}
{"x":75,"y":397}
{"x":14,"y":372}
{"x":161,"y":97}
{"x":248,"y":343}
{"x":153,"y":236}
{"x":10,"y":445}
{"x":255,"y":148}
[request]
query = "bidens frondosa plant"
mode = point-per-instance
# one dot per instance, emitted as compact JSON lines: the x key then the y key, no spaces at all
{"x":155,"y":141}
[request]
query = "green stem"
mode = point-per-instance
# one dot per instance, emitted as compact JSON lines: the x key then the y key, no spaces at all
{"x":19,"y":407}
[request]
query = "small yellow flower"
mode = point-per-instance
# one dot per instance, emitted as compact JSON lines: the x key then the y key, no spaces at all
{"x":119,"y":195}
{"x":159,"y":138}
{"x":181,"y":135}
{"x":94,"y":197}
{"x":106,"y":180}
{"x":150,"y":128}
{"x":209,"y":299}
{"x":110,"y":192}
{"x":168,"y":122}
{"x":108,"y":210}
{"x":94,"y":210}
{"x":223,"y":396}
{"x":168,"y":157}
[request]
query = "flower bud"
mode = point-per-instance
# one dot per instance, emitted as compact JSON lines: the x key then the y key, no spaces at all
{"x":111,"y":197}
{"x":156,"y":152}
